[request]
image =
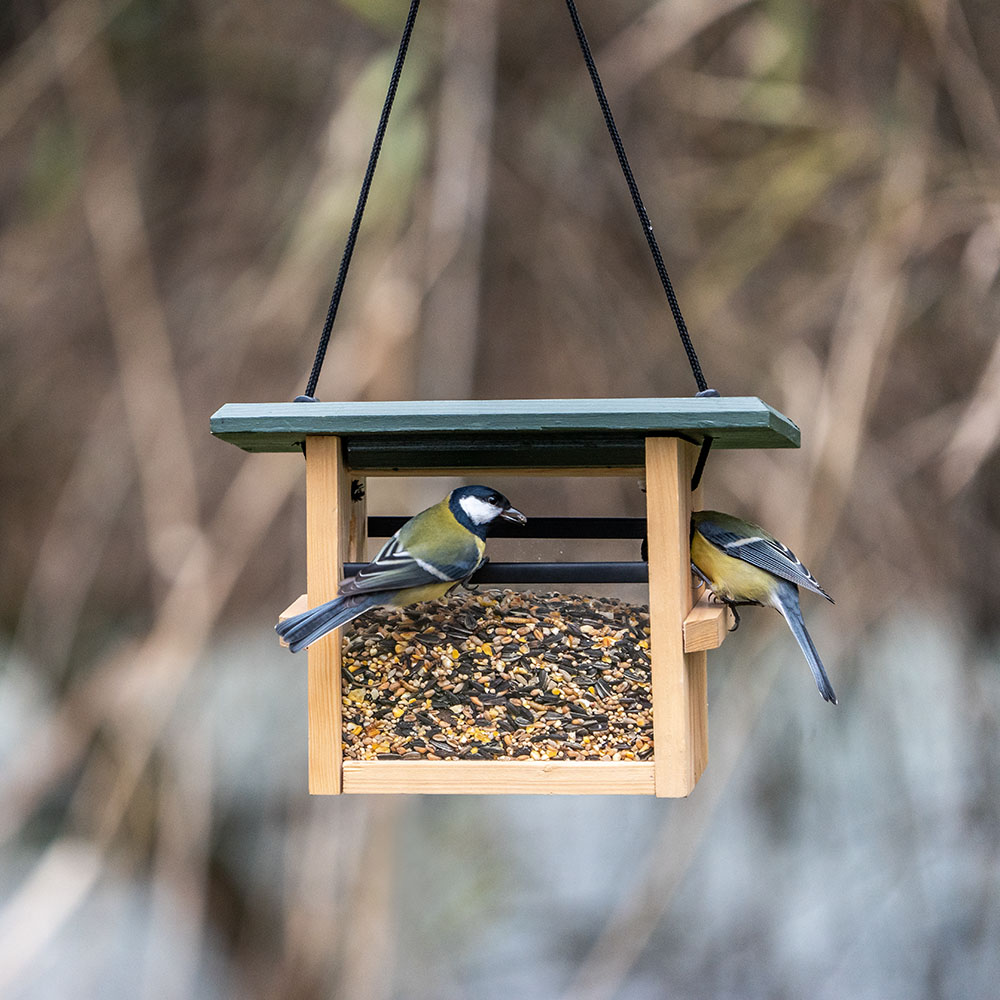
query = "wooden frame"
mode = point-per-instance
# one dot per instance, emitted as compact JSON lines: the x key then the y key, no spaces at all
{"x":659,"y":439}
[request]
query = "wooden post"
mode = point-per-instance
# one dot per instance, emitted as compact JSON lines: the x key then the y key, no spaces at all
{"x":328,"y":513}
{"x":680,"y":697}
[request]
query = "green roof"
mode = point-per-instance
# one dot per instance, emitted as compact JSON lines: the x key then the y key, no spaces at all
{"x":504,"y":433}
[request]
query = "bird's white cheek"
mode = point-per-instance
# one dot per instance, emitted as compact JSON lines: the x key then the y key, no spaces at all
{"x":479,"y":511}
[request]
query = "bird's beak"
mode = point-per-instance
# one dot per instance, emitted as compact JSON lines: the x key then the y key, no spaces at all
{"x":513,"y":514}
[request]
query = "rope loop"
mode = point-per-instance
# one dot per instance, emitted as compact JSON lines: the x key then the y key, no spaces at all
{"x":647,"y":226}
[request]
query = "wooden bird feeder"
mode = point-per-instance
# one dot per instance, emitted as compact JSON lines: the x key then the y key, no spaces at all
{"x":654,"y":439}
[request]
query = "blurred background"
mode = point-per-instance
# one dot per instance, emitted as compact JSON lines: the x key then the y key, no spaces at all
{"x":176,"y":182}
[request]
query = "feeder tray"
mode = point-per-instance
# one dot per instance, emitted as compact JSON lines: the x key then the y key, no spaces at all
{"x":654,"y":439}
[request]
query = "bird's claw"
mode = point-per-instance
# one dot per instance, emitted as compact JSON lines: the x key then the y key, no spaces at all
{"x":736,"y":615}
{"x":473,"y":587}
{"x":704,"y":579}
{"x":714,"y":598}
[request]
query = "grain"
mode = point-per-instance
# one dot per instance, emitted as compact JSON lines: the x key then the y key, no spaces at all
{"x":499,"y":675}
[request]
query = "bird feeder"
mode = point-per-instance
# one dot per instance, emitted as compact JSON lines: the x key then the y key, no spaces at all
{"x":663,"y":441}
{"x":657,"y":440}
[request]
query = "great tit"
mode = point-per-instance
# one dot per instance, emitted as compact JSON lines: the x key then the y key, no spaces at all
{"x":741,"y":563}
{"x":434,"y":551}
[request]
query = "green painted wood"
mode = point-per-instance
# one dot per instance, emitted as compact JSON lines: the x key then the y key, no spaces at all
{"x":504,"y":433}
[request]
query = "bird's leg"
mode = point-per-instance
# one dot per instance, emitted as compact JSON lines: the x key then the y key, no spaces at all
{"x":732,"y":605}
{"x":473,"y":587}
{"x":704,"y":579}
{"x":713,"y":596}
{"x":736,"y":615}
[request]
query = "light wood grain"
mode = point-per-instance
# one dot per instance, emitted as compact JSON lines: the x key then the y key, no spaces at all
{"x":460,"y":777}
{"x":327,"y":512}
{"x":357,"y":522}
{"x":680,"y":705}
{"x":300,"y":604}
{"x":706,"y":626}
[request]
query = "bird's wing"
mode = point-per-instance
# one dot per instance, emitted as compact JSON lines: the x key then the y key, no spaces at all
{"x":764,"y":551}
{"x":393,"y":569}
{"x":397,"y":567}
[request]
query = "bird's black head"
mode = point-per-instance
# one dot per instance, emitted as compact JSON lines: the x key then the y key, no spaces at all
{"x":477,"y":507}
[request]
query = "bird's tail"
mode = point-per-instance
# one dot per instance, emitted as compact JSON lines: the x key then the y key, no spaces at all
{"x":786,"y":600}
{"x":304,"y":629}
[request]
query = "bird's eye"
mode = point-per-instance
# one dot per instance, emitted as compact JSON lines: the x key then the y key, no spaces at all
{"x":493,"y":499}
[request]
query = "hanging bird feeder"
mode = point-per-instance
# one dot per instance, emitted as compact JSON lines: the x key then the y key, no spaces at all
{"x":665,"y":442}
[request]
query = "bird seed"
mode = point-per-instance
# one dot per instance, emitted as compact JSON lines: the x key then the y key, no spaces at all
{"x":499,"y":675}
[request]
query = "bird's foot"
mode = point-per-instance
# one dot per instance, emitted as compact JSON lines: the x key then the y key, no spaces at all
{"x":736,"y":615}
{"x":473,"y":587}
{"x":732,"y":605}
{"x":704,"y":579}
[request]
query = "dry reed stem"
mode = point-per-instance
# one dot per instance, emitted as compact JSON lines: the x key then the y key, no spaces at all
{"x":148,"y":374}
{"x":659,"y":32}
{"x":459,"y":197}
{"x":68,"y":560}
{"x":869,"y":322}
{"x":31,"y":68}
{"x":976,"y":432}
{"x":368,"y":959}
{"x":60,"y":881}
{"x":967,"y":82}
{"x":180,"y":874}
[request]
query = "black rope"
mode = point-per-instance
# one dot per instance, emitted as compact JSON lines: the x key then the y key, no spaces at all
{"x":647,"y":226}
{"x":699,"y":466}
{"x":359,"y":211}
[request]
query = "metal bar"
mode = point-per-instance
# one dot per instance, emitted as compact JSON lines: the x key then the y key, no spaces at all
{"x":538,"y":527}
{"x":552,"y":572}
